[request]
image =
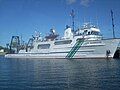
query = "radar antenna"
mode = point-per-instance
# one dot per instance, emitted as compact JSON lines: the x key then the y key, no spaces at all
{"x":72,"y":14}
{"x":112,"y":16}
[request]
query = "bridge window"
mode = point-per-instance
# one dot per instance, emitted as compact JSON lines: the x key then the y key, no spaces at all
{"x":94,"y":33}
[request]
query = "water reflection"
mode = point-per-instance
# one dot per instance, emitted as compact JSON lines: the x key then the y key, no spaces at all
{"x":59,"y":74}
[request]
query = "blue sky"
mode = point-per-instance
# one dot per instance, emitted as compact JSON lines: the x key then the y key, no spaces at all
{"x":24,"y":17}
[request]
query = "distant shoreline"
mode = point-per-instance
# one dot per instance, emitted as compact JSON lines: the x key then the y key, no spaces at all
{"x":2,"y":53}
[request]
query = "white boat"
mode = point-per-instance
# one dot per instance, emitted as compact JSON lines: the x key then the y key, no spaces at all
{"x":86,"y":42}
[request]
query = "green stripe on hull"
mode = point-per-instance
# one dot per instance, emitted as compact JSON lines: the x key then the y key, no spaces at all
{"x":75,"y":48}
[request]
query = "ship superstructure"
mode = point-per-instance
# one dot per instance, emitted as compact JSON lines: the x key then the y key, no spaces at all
{"x":86,"y":42}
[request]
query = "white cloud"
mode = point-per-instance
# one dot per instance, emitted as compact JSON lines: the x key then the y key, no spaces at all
{"x":70,"y":1}
{"x":85,"y":3}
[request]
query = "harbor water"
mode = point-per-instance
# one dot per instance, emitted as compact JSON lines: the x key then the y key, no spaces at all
{"x":51,"y":74}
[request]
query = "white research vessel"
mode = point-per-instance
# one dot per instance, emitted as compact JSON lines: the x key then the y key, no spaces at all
{"x":86,"y":42}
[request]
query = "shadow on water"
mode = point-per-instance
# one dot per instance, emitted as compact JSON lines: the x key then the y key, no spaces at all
{"x":117,"y":54}
{"x":59,"y":74}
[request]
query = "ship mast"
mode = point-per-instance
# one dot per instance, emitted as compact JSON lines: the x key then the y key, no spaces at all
{"x":112,"y":16}
{"x":72,"y":14}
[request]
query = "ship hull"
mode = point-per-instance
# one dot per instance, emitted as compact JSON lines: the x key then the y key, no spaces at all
{"x":84,"y":52}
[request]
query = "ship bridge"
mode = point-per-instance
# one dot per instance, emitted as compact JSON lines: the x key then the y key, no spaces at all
{"x":88,"y":29}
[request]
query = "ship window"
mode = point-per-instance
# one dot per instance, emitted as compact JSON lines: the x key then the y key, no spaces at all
{"x":88,"y":33}
{"x":63,"y":42}
{"x":85,"y":32}
{"x":43,"y":46}
{"x":95,"y":42}
{"x":94,"y":33}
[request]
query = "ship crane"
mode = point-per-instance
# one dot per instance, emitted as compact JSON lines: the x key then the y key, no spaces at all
{"x":15,"y":44}
{"x":52,"y":36}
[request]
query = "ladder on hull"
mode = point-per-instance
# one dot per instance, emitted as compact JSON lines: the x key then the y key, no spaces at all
{"x":75,"y":48}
